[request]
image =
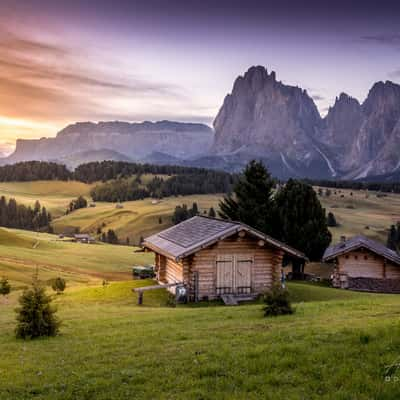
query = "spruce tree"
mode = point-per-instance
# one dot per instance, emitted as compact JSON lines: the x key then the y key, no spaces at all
{"x":211,"y":212}
{"x":252,"y":199}
{"x":59,"y":285}
{"x":331,"y":220}
{"x":392,"y":240}
{"x":36,"y":316}
{"x":300,"y":220}
{"x":5,"y":287}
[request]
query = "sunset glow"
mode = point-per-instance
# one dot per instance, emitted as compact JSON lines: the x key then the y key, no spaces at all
{"x":135,"y":62}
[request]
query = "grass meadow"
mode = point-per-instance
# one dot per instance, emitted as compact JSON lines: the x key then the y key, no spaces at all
{"x":337,"y":345}
{"x":357,"y":212}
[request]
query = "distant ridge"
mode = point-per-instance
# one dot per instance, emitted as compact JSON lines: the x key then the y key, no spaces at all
{"x":261,"y":118}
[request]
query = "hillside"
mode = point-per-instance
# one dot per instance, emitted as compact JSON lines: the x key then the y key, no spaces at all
{"x":140,"y":218}
{"x":135,"y":219}
{"x":158,"y":352}
{"x":54,"y":195}
{"x":22,"y":253}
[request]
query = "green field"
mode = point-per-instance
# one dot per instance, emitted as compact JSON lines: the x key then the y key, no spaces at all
{"x":140,"y":218}
{"x":22,"y":253}
{"x":54,"y":195}
{"x":135,"y":219}
{"x":362,"y":213}
{"x":336,"y":346}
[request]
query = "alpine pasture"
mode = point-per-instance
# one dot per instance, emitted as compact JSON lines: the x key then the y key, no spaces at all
{"x":338,"y":344}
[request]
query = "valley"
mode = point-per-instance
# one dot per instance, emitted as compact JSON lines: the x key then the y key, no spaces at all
{"x":356,"y":211}
{"x":148,"y":345}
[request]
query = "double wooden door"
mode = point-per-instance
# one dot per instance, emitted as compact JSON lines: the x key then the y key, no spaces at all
{"x":233,"y":274}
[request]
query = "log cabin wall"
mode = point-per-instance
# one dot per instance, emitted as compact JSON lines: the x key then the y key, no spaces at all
{"x":266,"y":263}
{"x":364,"y":263}
{"x":392,"y":271}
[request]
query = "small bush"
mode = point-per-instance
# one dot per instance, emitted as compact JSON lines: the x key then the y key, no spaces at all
{"x":277,"y":302}
{"x":36,"y":315}
{"x":5,"y":287}
{"x":59,"y":285}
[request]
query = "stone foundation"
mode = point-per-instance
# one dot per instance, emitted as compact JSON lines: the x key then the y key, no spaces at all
{"x":374,"y":285}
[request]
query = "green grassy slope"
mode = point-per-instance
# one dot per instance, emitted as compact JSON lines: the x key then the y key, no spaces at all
{"x":140,"y":218}
{"x":137,"y":218}
{"x":355,"y":213}
{"x":54,"y":195}
{"x":336,"y":346}
{"x":24,"y":252}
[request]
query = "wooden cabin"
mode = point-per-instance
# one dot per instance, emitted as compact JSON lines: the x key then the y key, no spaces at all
{"x":363,"y":264}
{"x":214,"y":257}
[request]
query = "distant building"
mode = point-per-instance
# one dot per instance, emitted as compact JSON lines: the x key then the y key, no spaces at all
{"x":119,"y":206}
{"x":84,"y":238}
{"x":215,"y":258}
{"x":364,"y":264}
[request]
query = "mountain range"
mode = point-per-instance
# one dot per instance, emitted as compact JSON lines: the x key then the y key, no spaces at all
{"x":261,"y":118}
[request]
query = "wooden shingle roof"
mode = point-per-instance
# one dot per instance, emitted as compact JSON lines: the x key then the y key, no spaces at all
{"x":199,"y":232}
{"x":358,"y":242}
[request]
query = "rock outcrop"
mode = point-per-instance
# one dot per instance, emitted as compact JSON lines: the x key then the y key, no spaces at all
{"x":266,"y":119}
{"x":134,"y":141}
{"x":280,"y":124}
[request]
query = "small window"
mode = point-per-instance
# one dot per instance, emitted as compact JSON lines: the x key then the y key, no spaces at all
{"x":365,"y":257}
{"x":356,"y":257}
{"x":346,"y":256}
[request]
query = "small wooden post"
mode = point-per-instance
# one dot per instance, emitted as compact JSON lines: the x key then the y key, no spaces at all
{"x":140,"y":298}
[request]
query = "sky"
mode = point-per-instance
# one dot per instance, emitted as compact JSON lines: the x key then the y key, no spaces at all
{"x":68,"y":61}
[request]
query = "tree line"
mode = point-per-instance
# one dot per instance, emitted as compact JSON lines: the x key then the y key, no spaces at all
{"x":19,"y":216}
{"x":107,"y":170}
{"x":127,"y":189}
{"x":386,"y":187}
{"x":34,"y":171}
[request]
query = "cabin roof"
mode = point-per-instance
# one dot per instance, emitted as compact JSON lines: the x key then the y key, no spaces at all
{"x":357,"y":242}
{"x":199,"y":232}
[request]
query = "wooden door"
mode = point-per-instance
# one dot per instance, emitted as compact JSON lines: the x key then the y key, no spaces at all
{"x":225,"y":274}
{"x":242,"y":282}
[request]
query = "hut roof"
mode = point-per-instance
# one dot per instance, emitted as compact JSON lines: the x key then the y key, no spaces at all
{"x":357,"y":242}
{"x":199,"y":232}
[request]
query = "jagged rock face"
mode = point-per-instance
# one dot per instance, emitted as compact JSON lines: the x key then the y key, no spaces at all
{"x":280,"y":124}
{"x":133,"y":140}
{"x":376,"y":146}
{"x":267,"y":119}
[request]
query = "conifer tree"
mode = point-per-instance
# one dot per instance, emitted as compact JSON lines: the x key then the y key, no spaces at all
{"x":211,"y":212}
{"x":5,"y":287}
{"x":59,"y":285}
{"x":252,"y":202}
{"x":393,"y":238}
{"x":331,"y":220}
{"x":36,"y":316}
{"x":300,"y":220}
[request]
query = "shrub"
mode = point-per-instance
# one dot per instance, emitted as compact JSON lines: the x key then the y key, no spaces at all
{"x":5,"y":287}
{"x":277,"y":302}
{"x":36,"y":315}
{"x":59,"y":285}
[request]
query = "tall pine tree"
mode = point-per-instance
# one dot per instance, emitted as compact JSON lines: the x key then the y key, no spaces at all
{"x":252,"y":199}
{"x":300,"y":220}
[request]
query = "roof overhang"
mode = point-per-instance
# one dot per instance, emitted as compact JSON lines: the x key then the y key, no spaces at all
{"x":234,"y":230}
{"x":357,"y":246}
